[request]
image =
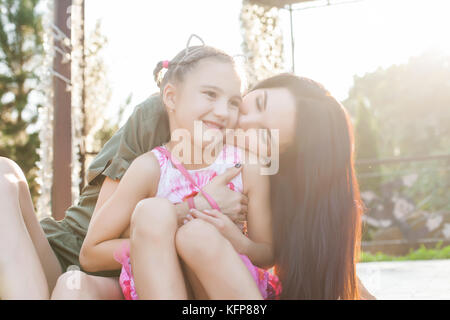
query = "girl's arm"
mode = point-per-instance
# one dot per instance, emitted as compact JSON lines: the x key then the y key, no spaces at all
{"x":113,"y":217}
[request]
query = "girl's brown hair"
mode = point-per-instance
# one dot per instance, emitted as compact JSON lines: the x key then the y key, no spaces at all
{"x":185,"y":61}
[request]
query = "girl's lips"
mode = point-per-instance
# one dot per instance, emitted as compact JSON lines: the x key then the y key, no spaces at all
{"x":213,"y":125}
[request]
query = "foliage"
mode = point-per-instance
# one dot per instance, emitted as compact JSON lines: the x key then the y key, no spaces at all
{"x":98,"y":90}
{"x":262,"y":41}
{"x":410,"y":103}
{"x":20,"y":56}
{"x":420,"y":254}
{"x":99,"y":129}
{"x":407,"y":106}
{"x":110,"y":126}
{"x":366,"y":146}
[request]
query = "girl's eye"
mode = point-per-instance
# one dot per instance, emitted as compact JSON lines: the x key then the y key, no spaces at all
{"x":211,"y":94}
{"x":236,"y":104}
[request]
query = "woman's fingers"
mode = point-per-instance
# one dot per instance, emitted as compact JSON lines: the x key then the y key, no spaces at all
{"x":244,"y":209}
{"x":244,"y":199}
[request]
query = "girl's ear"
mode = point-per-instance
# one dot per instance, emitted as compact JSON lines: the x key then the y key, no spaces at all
{"x":169,"y":97}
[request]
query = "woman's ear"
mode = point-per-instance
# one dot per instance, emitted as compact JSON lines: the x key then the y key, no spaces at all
{"x":169,"y":97}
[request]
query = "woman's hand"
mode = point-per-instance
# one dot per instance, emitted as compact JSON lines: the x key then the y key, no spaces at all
{"x":232,"y":203}
{"x":224,"y":224}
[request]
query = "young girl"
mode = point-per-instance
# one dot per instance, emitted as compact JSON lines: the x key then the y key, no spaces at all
{"x":200,"y":84}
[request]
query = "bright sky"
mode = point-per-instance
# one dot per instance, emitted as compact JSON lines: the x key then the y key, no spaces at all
{"x":332,"y":43}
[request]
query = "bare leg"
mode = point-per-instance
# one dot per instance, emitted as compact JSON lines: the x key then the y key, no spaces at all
{"x":28,"y":266}
{"x":214,"y":261}
{"x":155,"y":264}
{"x":196,"y":290}
{"x":77,"y":285}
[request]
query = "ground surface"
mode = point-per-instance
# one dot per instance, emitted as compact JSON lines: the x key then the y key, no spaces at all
{"x":428,"y":279}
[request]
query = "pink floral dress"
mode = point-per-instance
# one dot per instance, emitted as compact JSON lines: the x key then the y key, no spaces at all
{"x":177,"y":188}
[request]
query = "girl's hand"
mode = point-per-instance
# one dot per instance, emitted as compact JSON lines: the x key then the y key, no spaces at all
{"x":225,"y":225}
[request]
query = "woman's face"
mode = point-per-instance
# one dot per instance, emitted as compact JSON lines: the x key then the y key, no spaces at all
{"x":271,"y":109}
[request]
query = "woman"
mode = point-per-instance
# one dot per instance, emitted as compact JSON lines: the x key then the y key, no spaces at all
{"x":315,"y":198}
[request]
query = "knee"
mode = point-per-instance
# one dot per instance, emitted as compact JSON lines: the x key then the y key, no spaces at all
{"x":10,"y":176}
{"x":154,"y":219}
{"x":200,"y":240}
{"x":71,"y":285}
{"x":8,"y":166}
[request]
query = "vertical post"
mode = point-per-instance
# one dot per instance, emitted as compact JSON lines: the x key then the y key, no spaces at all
{"x":62,"y":134}
{"x":292,"y":39}
{"x":83,"y":97}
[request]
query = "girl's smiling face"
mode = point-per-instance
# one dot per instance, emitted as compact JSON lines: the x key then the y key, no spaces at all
{"x":209,"y":93}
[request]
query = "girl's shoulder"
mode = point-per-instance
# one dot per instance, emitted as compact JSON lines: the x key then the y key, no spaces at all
{"x":160,"y":156}
{"x":143,"y":175}
{"x":147,"y":163}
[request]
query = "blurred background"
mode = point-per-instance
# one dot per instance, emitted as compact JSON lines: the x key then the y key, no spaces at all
{"x":71,"y":73}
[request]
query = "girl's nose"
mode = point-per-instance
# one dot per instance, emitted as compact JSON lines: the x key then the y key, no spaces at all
{"x":221,"y":110}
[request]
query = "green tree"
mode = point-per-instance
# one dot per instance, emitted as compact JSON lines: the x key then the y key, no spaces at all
{"x":110,"y":126}
{"x":20,"y":54}
{"x":410,"y":104}
{"x":98,"y":128}
{"x":366,"y":146}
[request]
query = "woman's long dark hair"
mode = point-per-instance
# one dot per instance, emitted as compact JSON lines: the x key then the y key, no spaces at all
{"x":315,"y":198}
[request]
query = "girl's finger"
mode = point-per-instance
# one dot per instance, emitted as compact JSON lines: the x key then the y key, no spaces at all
{"x":200,"y":215}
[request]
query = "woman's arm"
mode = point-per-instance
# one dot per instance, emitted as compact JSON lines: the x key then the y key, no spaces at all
{"x":113,"y":217}
{"x":258,"y":248}
{"x":258,"y":245}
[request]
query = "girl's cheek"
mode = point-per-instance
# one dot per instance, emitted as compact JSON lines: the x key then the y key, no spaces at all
{"x":233,"y":119}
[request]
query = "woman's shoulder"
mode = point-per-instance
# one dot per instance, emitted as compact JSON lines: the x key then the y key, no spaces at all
{"x":152,"y":107}
{"x":233,"y":154}
{"x":251,"y":170}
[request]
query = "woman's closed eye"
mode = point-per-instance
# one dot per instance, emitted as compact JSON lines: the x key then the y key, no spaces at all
{"x":261,"y":102}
